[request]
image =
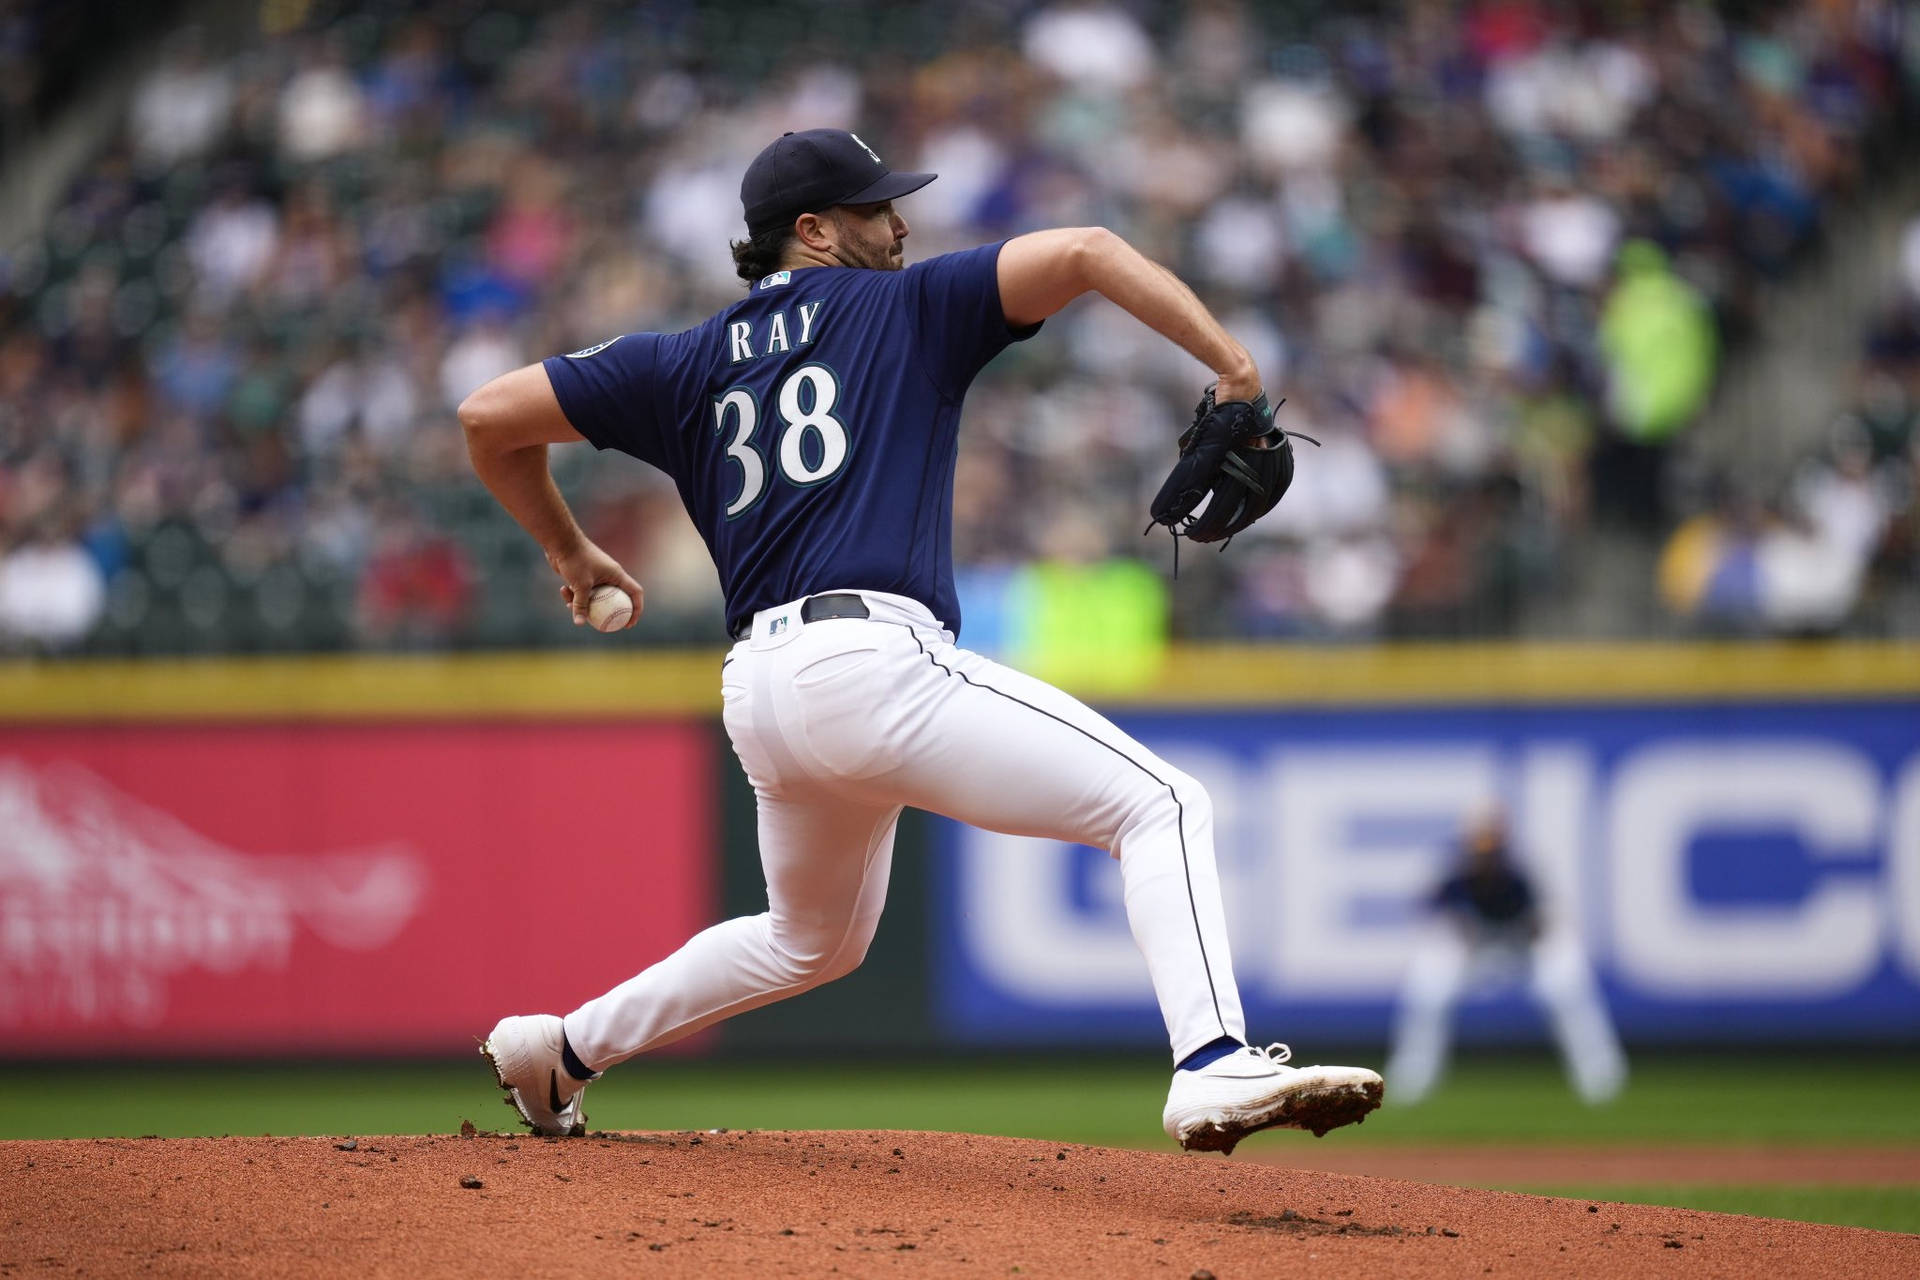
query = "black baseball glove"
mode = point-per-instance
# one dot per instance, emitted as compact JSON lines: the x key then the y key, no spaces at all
{"x":1233,"y":455}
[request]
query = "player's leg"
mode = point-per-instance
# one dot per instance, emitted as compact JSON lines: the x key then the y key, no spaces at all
{"x":1423,"y":1025}
{"x":827,"y":862}
{"x":943,"y":729}
{"x":920,"y":722}
{"x":1562,"y":982}
{"x":826,"y":857}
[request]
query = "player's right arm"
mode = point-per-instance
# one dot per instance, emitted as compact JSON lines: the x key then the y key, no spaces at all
{"x":1044,"y":271}
{"x":509,"y":423}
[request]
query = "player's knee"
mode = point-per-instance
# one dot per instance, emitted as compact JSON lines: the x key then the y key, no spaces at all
{"x":801,"y":958}
{"x":1167,"y":814}
{"x":1559,"y":972}
{"x":1195,"y":804}
{"x":852,"y":955}
{"x":802,"y":969}
{"x":1165,"y":798}
{"x":810,"y":957}
{"x":1191,"y":805}
{"x":1556,"y":985}
{"x":1428,"y":991}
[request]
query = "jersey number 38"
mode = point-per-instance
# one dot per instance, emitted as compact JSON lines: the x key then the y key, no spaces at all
{"x":813,"y":443}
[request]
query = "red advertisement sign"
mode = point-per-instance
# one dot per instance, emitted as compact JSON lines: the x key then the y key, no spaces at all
{"x":337,"y":889}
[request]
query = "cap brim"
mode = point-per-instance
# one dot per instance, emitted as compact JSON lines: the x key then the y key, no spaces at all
{"x":891,"y":187}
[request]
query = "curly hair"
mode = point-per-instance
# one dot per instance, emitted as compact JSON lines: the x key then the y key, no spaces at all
{"x":759,"y":256}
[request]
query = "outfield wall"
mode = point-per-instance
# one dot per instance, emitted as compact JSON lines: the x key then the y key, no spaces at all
{"x":349,"y":855}
{"x":336,"y":888}
{"x":1745,"y":871}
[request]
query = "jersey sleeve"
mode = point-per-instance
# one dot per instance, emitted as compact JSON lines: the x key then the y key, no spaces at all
{"x":959,"y":323}
{"x":610,"y":393}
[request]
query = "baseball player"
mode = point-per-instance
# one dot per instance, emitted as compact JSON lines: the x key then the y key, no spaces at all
{"x":811,"y":431}
{"x":1489,"y":931}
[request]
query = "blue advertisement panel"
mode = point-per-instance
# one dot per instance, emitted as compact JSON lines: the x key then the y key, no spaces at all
{"x":1730,"y":871}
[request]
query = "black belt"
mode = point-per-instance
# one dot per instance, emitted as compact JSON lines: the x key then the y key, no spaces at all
{"x":834,"y":604}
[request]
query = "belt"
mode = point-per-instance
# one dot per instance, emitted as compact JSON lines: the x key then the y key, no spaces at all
{"x":834,"y":604}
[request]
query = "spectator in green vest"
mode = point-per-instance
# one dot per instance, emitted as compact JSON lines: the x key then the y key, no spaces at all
{"x":1093,"y":621}
{"x":1658,"y":339}
{"x":1660,"y":344}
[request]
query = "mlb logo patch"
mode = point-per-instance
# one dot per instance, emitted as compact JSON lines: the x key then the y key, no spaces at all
{"x":777,"y":279}
{"x":778,"y":625}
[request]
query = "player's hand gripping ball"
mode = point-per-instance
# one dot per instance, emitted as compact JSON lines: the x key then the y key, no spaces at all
{"x":609,"y":608}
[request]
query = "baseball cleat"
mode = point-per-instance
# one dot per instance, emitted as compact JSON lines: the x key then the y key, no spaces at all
{"x":525,"y":1053}
{"x":1212,"y":1108}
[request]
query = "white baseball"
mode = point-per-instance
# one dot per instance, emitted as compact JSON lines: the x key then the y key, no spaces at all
{"x":609,"y":608}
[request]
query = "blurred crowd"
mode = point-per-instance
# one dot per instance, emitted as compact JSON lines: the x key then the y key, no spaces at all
{"x":1491,"y":253}
{"x":46,"y":47}
{"x":1837,"y":539}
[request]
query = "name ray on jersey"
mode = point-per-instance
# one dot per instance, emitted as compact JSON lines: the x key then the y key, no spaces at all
{"x":774,"y":335}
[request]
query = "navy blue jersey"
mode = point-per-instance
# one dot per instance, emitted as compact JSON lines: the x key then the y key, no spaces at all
{"x":811,"y":427}
{"x":1498,"y":897}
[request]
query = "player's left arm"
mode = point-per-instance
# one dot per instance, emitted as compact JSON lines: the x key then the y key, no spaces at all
{"x":1044,"y":271}
{"x":509,"y":423}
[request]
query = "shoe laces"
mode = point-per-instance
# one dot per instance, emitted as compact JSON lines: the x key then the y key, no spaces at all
{"x":1276,"y":1053}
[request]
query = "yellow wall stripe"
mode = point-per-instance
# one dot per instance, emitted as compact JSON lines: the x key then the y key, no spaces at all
{"x":1523,"y":673}
{"x":577,"y":685}
{"x":356,"y":687}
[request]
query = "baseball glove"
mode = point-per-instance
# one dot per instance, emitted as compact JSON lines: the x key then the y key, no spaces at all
{"x":1236,"y":459}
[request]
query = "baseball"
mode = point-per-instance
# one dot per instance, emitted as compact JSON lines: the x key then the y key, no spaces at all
{"x":609,"y":608}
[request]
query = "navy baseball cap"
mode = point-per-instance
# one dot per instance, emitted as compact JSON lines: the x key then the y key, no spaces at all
{"x":813,"y":170}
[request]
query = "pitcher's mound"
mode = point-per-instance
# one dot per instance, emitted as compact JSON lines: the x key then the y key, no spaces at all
{"x":814,"y":1204}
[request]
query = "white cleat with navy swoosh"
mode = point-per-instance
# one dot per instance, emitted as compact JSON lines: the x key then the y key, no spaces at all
{"x":525,"y":1053}
{"x":1252,"y":1088}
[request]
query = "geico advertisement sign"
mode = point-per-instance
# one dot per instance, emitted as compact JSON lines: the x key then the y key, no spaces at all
{"x":1756,"y":855}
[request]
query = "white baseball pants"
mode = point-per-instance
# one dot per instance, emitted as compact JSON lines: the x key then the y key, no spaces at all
{"x":841,"y":722}
{"x":1558,"y":979}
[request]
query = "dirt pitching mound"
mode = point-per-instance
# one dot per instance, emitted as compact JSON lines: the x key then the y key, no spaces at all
{"x":1533,"y":1164}
{"x":813,"y":1204}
